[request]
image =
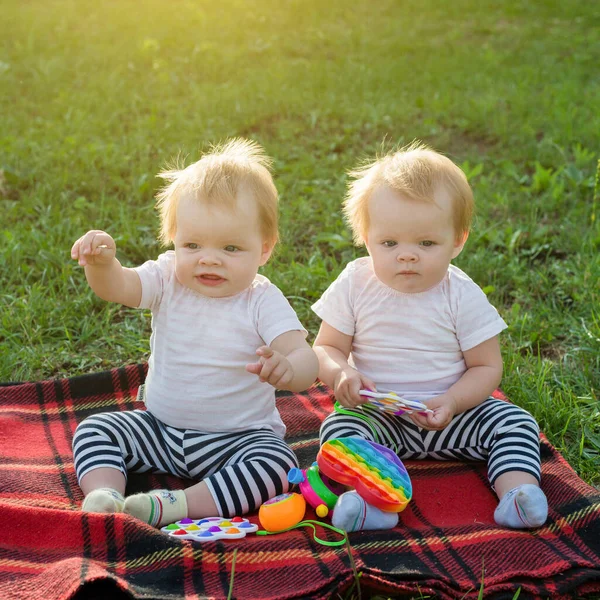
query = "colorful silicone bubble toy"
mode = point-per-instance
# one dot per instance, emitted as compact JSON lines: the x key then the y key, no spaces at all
{"x":210,"y":529}
{"x":319,"y":493}
{"x":376,"y":473}
{"x":392,"y":403}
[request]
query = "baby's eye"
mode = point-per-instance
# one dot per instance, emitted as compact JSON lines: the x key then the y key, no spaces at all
{"x":390,"y":243}
{"x":191,"y":246}
{"x":427,"y":243}
{"x":231,"y":248}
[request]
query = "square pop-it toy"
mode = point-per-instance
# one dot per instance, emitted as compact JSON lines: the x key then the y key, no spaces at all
{"x":210,"y":529}
{"x":390,"y":402}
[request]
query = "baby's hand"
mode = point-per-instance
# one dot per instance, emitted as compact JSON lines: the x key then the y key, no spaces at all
{"x":273,"y":368}
{"x":94,"y":248}
{"x":444,"y":409}
{"x":347,"y":385}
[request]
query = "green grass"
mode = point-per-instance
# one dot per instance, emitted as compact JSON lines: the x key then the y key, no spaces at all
{"x":97,"y":97}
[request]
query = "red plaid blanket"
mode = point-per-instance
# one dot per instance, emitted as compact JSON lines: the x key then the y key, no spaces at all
{"x":446,"y":537}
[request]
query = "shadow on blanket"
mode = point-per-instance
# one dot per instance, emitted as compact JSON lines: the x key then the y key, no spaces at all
{"x":50,"y":550}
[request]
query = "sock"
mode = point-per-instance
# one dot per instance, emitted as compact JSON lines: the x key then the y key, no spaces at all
{"x":524,"y":507}
{"x":352,"y":513}
{"x":103,"y":500}
{"x":158,"y":507}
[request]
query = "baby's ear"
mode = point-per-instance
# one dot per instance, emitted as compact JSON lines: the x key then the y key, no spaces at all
{"x":459,"y":243}
{"x":267,"y":250}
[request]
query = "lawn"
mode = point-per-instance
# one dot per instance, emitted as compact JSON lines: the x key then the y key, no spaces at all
{"x":97,"y":97}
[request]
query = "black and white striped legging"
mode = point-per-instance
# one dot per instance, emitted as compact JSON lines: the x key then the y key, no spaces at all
{"x":242,"y":470}
{"x":503,"y":434}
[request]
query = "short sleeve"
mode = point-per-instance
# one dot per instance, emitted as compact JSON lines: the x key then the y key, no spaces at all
{"x":476,"y":319}
{"x":335,"y":305}
{"x":274,"y":315}
{"x":154,"y":274}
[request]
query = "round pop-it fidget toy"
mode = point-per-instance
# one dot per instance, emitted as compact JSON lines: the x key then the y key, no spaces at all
{"x":210,"y":529}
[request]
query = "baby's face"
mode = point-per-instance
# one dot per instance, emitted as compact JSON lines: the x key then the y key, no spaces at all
{"x":411,"y":242}
{"x":218,"y":251}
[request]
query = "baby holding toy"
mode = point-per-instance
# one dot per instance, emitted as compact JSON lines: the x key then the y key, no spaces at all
{"x":405,"y":319}
{"x":223,"y":338}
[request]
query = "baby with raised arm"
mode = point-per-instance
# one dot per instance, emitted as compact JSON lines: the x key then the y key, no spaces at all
{"x":405,"y":319}
{"x":223,"y":338}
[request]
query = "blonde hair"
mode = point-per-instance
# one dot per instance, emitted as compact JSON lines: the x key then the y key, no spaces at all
{"x":216,"y":179}
{"x":415,"y":171}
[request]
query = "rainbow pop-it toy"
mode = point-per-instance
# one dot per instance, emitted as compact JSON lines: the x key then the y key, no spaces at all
{"x":376,"y":473}
{"x":210,"y":529}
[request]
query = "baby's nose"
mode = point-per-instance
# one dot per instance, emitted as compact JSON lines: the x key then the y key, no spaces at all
{"x":209,"y":258}
{"x":407,"y":256}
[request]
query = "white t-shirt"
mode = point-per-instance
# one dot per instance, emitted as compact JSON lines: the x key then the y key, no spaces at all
{"x":412,"y":344}
{"x":200,"y":347}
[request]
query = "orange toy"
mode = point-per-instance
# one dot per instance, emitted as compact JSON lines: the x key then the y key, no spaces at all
{"x":282,"y":512}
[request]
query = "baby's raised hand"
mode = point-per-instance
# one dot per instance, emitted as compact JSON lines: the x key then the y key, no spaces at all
{"x":94,"y":248}
{"x":444,"y":409}
{"x":273,"y":368}
{"x":347,"y":385}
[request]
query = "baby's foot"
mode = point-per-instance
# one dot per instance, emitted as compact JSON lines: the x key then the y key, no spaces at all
{"x":158,"y":507}
{"x":352,"y":513}
{"x":524,"y":507}
{"x":103,"y":500}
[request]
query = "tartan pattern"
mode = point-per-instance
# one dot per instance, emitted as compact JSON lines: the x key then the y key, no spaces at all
{"x":50,"y":550}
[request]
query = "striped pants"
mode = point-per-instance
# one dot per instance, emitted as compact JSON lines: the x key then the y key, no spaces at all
{"x":242,"y":470}
{"x":501,"y":433}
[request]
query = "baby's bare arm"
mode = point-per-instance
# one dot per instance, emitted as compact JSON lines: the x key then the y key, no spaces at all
{"x":482,"y":377}
{"x":96,"y":252}
{"x":301,"y":357}
{"x":333,"y":349}
{"x":115,"y":283}
{"x":483,"y":374}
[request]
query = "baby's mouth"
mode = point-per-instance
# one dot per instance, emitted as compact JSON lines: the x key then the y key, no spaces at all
{"x":210,"y":279}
